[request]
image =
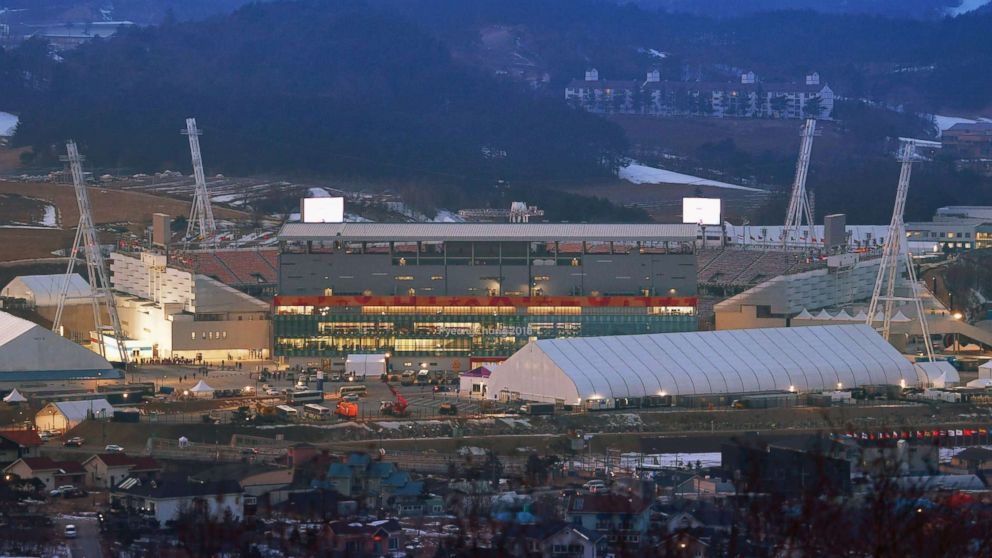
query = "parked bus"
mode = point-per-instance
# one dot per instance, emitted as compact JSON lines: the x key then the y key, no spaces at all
{"x":286,"y":412}
{"x":316,"y":412}
{"x":360,"y":391}
{"x":304,"y":396}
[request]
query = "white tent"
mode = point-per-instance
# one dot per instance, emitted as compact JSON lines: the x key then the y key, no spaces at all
{"x":804,"y":315}
{"x":811,"y":358}
{"x":201,"y":389}
{"x":939,"y":373}
{"x":824,"y":315}
{"x":362,"y":366}
{"x":900,"y":317}
{"x":65,"y":415}
{"x":843,"y":316}
{"x":861,"y":316}
{"x":43,"y":290}
{"x":980,"y":383}
{"x":985,"y":370}
{"x":15,"y":397}
{"x":29,"y":352}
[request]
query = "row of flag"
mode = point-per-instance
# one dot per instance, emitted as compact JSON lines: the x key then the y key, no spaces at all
{"x":918,"y":434}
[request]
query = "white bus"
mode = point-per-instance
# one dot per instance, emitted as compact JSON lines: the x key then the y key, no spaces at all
{"x":285,"y":411}
{"x":316,"y":412}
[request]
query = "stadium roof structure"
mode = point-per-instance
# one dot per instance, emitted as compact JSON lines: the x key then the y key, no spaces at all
{"x":488,"y":231}
{"x":43,"y":290}
{"x":811,"y":358}
{"x":31,"y":352}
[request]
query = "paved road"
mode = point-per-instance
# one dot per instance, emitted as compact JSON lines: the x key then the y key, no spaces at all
{"x":87,"y":543}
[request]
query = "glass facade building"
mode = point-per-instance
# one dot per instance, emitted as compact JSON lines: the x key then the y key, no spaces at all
{"x":451,"y":294}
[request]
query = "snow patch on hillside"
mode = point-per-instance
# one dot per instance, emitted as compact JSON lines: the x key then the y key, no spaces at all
{"x":966,"y":6}
{"x":8,"y":123}
{"x":643,"y":174}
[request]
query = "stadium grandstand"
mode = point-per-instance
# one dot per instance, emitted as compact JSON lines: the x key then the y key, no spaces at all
{"x":253,"y":271}
{"x":449,"y":296}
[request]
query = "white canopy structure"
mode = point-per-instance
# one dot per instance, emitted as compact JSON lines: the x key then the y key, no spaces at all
{"x":824,"y":315}
{"x":361,"y":366}
{"x":985,"y":370}
{"x":30,"y":352}
{"x":732,"y":361}
{"x":843,"y":316}
{"x":14,"y":397}
{"x":939,"y":373}
{"x":43,"y":290}
{"x":804,"y":315}
{"x":201,"y":389}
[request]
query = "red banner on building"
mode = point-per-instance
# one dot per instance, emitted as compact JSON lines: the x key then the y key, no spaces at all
{"x":483,"y":301}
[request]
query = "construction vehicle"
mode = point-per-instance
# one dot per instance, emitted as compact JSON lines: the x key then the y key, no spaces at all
{"x":346,"y":410}
{"x":447,"y":409}
{"x":397,"y":407}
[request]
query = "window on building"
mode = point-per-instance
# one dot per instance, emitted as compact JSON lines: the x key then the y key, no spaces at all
{"x":192,"y":335}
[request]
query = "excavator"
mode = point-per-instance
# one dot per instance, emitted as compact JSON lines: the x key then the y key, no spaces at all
{"x":397,"y":408}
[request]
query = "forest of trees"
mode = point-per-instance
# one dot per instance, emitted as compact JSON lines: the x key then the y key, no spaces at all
{"x":308,"y":88}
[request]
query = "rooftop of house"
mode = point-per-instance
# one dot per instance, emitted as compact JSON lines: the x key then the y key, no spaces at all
{"x":176,"y":486}
{"x":23,"y":438}
{"x":357,"y":528}
{"x":135,"y":463}
{"x":606,"y":503}
{"x":39,"y":464}
{"x":974,"y":454}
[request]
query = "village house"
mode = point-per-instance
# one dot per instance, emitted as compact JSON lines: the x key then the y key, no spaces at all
{"x":106,"y":470}
{"x":165,"y":498}
{"x":377,"y":538}
{"x":15,"y":444}
{"x":51,"y":473}
{"x":748,"y":98}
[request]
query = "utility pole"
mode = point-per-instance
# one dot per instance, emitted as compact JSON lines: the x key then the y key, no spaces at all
{"x":894,"y":250}
{"x":201,"y":216}
{"x":96,"y":267}
{"x":799,"y":203}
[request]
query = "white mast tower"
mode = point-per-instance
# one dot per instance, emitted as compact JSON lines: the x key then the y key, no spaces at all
{"x":799,"y":204}
{"x":201,"y":216}
{"x":99,"y":277}
{"x":894,"y":250}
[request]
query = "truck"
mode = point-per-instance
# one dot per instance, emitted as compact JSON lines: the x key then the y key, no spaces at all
{"x":534,"y":409}
{"x":346,"y":410}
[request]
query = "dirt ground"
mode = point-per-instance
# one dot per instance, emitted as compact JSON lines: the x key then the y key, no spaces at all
{"x":132,"y":209}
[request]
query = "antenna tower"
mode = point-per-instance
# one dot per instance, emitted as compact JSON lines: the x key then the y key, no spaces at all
{"x":96,"y":266}
{"x":799,"y":203}
{"x":201,"y":216}
{"x":893,"y":251}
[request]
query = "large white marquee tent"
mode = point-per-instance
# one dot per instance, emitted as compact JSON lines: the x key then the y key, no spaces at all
{"x":30,"y":352}
{"x":734,"y":361}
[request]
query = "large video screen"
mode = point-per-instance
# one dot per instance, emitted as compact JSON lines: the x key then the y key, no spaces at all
{"x":701,"y":211}
{"x":322,"y":210}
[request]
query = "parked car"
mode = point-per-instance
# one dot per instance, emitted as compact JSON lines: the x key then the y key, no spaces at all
{"x":271,"y":391}
{"x":447,"y":409}
{"x":249,"y":451}
{"x":114,"y":448}
{"x":70,"y":531}
{"x":61,"y":490}
{"x":595,"y":486}
{"x":335,"y":377}
{"x":75,"y":493}
{"x":74,"y":442}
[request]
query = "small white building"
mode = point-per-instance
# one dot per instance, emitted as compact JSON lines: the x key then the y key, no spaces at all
{"x":166,"y":498}
{"x":61,"y":416}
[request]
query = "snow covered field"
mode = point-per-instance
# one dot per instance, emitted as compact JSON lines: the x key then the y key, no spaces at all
{"x":8,"y":123}
{"x":643,"y":174}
